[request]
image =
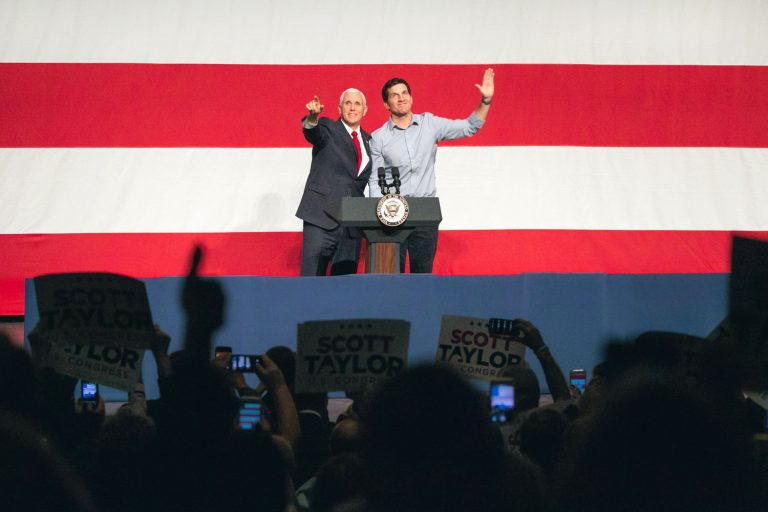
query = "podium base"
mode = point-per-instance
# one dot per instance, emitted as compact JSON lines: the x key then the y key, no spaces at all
{"x":382,"y":258}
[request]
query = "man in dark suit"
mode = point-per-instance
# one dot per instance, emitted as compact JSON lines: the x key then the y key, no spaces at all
{"x":341,"y":166}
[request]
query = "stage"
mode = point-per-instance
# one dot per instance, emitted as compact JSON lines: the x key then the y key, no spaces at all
{"x":576,"y":313}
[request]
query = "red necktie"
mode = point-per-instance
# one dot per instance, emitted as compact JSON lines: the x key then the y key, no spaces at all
{"x":359,"y":151}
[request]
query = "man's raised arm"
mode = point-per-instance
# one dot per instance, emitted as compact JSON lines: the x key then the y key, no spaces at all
{"x":486,"y":91}
{"x":314,"y":108}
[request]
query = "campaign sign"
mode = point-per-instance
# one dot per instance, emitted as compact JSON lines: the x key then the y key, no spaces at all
{"x":749,"y":309}
{"x":466,"y":345}
{"x":723,"y":332}
{"x":118,"y":367}
{"x":348,"y":355}
{"x":759,"y":397}
{"x":107,"y":309}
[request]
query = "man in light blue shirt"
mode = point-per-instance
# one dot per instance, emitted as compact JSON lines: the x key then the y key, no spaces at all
{"x":408,"y":141}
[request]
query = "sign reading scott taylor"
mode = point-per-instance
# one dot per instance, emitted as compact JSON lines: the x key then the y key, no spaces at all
{"x":346,"y":355}
{"x":118,"y":367}
{"x":466,"y":345}
{"x":107,"y":309}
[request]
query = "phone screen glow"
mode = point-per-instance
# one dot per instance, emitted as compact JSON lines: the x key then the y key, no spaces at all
{"x":241,"y":363}
{"x":579,"y":382}
{"x":89,"y":390}
{"x":250,"y":415}
{"x":502,"y":401}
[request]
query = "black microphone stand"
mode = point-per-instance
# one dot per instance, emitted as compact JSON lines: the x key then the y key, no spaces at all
{"x":384,"y":185}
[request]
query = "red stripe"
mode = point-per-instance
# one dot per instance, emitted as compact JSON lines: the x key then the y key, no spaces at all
{"x":176,"y":105}
{"x":278,"y":254}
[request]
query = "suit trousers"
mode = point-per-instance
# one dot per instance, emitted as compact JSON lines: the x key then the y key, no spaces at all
{"x":323,"y":247}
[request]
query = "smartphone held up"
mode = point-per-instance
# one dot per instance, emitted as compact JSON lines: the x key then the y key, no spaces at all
{"x":243,"y":363}
{"x":249,"y":414}
{"x":89,"y":392}
{"x":502,"y":401}
{"x":222,"y":351}
{"x":578,"y":379}
{"x":505,"y":327}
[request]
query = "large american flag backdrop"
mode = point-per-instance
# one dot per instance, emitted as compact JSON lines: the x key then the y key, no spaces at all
{"x":624,"y":137}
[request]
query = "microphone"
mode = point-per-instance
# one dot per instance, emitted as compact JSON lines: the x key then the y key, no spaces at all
{"x":396,"y":179}
{"x":382,"y":181}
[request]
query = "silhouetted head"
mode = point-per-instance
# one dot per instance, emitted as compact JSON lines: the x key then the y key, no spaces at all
{"x":200,"y":402}
{"x":541,"y":437}
{"x":428,"y":440}
{"x":17,"y":380}
{"x":32,"y":476}
{"x":657,"y":446}
{"x":346,"y":437}
{"x":342,"y":478}
{"x":243,"y":471}
{"x":527,"y":390}
{"x":285,"y":359}
{"x":687,"y":361}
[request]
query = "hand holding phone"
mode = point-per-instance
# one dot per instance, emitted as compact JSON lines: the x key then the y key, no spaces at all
{"x":269,"y":373}
{"x":522,"y":330}
{"x":244,"y":363}
{"x":89,"y":392}
{"x":504,"y":327}
{"x":502,"y":398}
{"x":222,"y":357}
{"x":578,"y":379}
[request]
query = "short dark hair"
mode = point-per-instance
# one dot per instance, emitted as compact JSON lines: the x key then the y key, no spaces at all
{"x":390,"y":83}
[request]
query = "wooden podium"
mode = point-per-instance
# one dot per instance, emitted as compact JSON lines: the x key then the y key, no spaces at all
{"x":382,"y":254}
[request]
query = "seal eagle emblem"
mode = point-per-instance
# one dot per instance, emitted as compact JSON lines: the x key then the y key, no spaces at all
{"x":392,"y":210}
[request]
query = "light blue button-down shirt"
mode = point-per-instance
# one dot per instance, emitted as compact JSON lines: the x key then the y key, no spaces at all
{"x":412,"y":150}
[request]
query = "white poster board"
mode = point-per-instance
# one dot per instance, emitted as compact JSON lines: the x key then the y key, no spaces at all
{"x":466,"y":345}
{"x":347,"y":355}
{"x":118,"y":367}
{"x":107,"y":309}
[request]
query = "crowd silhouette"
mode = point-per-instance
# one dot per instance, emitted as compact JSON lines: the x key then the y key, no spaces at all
{"x":662,"y":425}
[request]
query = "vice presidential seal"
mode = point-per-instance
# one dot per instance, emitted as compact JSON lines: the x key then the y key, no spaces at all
{"x":392,"y":210}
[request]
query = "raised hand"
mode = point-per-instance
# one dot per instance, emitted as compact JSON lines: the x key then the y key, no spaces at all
{"x":314,"y":108}
{"x":269,"y":373}
{"x":486,"y":88}
{"x":159,"y":341}
{"x":203,"y":301}
{"x":531,"y":337}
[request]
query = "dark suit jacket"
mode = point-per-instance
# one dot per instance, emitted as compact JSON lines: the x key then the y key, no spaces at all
{"x":333,"y":173}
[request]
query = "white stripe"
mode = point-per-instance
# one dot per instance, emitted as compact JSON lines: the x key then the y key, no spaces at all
{"x":397,"y":31}
{"x":603,"y":188}
{"x":236,"y":190}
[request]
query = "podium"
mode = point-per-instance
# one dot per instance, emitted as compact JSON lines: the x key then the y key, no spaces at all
{"x":382,"y":254}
